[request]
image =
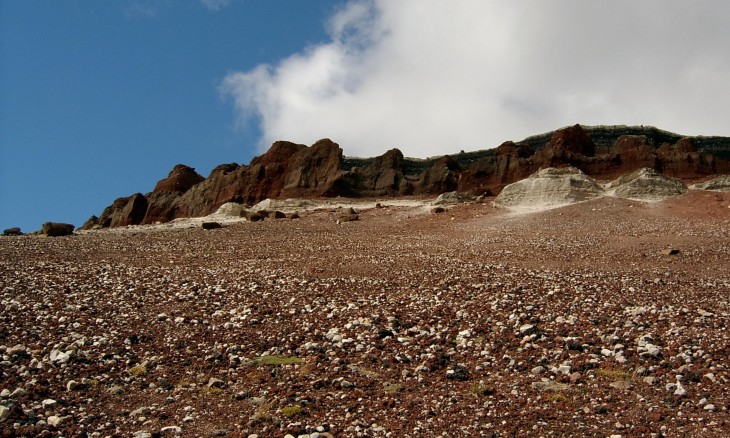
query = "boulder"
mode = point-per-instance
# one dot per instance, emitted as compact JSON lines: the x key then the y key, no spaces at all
{"x":348,"y":218}
{"x":232,"y":209}
{"x":277,"y":215}
{"x":56,"y":229}
{"x":669,"y":251}
{"x":254,"y":216}
{"x":453,"y":198}
{"x":14,"y":231}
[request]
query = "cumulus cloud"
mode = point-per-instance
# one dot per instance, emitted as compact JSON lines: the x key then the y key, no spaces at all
{"x":436,"y":76}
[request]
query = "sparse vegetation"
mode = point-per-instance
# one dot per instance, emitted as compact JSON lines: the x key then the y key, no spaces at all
{"x":557,"y":397}
{"x":211,"y":391}
{"x":614,"y":374}
{"x":263,"y":411}
{"x":277,"y":360}
{"x":393,"y":388}
{"x":137,"y":371}
{"x":291,"y":411}
{"x":480,"y":389}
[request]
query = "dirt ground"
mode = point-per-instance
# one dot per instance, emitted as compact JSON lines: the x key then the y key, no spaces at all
{"x":474,"y":322}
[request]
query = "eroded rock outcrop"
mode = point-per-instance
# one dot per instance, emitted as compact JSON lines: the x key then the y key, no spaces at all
{"x":718,"y":184}
{"x":646,"y":185}
{"x":290,"y":170}
{"x":550,"y":187}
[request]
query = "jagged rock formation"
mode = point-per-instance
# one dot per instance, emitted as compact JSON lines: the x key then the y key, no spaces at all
{"x":289,"y":170}
{"x":550,"y":187}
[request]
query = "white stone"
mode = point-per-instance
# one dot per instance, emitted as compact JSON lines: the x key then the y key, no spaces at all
{"x":538,"y":370}
{"x":72,"y":385}
{"x":527,"y":329}
{"x":56,"y":421}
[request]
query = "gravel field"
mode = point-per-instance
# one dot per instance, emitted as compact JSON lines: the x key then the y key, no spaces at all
{"x":474,"y":322}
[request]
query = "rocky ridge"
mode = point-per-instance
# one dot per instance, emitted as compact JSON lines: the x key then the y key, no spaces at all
{"x":295,"y":170}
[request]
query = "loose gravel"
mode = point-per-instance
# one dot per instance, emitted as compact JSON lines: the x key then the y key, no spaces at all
{"x":473,"y":322}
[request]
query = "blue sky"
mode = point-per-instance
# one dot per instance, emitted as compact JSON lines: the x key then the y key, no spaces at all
{"x":101,"y":98}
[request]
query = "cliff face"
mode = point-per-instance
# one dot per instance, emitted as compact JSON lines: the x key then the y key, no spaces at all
{"x":289,"y":170}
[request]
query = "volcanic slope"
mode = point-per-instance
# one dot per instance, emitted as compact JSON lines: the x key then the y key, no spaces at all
{"x":474,"y":321}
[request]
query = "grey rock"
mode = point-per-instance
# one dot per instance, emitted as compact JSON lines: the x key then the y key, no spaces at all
{"x":49,"y":403}
{"x":452,"y":198}
{"x":58,"y":356}
{"x":527,"y":329}
{"x":144,"y":410}
{"x":4,"y":413}
{"x":538,"y":370}
{"x":348,"y":218}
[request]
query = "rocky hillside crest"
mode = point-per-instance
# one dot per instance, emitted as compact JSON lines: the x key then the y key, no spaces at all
{"x":289,"y":170}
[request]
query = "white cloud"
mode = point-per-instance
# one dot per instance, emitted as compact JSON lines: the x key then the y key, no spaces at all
{"x":437,"y":76}
{"x":216,"y":5}
{"x":145,"y":8}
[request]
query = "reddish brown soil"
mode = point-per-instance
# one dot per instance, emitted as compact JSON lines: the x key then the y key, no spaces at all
{"x":406,"y":324}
